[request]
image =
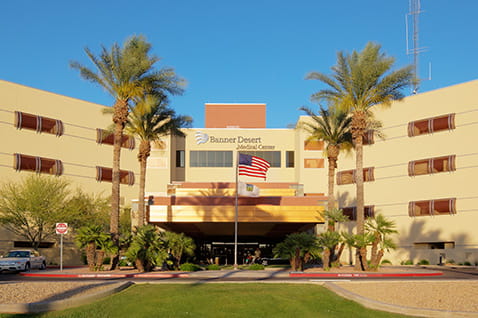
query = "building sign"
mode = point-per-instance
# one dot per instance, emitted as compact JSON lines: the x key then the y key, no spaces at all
{"x":241,"y":142}
{"x":201,"y":138}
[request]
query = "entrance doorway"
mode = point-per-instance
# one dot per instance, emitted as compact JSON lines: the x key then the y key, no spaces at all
{"x":222,"y":253}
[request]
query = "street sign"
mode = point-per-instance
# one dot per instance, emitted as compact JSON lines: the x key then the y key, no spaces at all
{"x":61,"y":228}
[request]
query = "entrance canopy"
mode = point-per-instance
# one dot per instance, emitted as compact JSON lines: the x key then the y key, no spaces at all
{"x":248,"y":232}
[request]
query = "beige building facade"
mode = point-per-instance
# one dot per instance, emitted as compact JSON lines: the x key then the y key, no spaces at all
{"x":56,"y":135}
{"x":421,"y":175}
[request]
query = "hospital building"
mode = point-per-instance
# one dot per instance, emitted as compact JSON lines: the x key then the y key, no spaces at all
{"x":421,"y":175}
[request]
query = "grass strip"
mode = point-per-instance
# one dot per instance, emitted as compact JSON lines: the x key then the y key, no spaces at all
{"x":220,"y":300}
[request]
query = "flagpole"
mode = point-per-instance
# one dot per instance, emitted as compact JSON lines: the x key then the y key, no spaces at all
{"x":236,"y":211}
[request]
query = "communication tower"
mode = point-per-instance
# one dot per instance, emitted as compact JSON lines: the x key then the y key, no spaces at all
{"x":412,"y":40}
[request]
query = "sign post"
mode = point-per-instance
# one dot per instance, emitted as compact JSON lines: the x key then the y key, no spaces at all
{"x":61,"y":228}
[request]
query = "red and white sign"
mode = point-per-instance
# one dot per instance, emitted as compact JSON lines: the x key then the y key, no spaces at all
{"x":61,"y":228}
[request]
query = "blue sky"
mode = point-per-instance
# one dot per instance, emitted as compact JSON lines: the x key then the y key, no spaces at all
{"x":232,"y":51}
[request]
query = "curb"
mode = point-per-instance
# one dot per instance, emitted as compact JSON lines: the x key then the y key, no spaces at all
{"x":44,"y":306}
{"x":377,"y":305}
{"x":140,"y":275}
{"x":362,"y":275}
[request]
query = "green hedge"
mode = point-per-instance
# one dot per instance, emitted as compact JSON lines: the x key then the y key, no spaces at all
{"x":188,"y":267}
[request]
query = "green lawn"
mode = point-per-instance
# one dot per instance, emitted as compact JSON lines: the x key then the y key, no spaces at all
{"x":220,"y":300}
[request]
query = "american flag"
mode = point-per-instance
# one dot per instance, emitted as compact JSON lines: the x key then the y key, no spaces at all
{"x":253,"y":166}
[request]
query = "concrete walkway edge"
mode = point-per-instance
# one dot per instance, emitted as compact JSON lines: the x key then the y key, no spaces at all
{"x":44,"y":306}
{"x":377,"y":305}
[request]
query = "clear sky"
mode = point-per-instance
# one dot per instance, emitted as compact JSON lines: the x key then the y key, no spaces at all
{"x":232,"y":51}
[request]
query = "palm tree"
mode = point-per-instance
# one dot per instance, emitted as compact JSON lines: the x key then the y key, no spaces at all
{"x":329,"y":240}
{"x":335,"y":216}
{"x":126,"y":73}
{"x":360,"y":81}
{"x":360,"y":243}
{"x":150,"y":120}
{"x":147,"y":249}
{"x":333,"y":127}
{"x":380,"y":227}
{"x":89,"y":238}
{"x":298,"y":248}
{"x":179,"y":244}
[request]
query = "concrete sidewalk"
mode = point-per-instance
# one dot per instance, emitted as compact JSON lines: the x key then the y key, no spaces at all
{"x":346,"y":273}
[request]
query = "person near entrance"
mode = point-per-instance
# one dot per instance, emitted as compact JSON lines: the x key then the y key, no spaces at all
{"x":257,"y":256}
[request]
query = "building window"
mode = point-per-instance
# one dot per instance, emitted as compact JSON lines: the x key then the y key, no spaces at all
{"x":210,"y":158}
{"x":313,"y":163}
{"x":289,"y":159}
{"x":106,"y":137}
{"x":368,"y":138}
{"x":37,"y":164}
{"x":273,"y":157}
{"x":431,"y":165}
{"x":430,"y":125}
{"x":180,"y":159}
{"x":38,"y":123}
{"x":351,"y":212}
{"x":106,"y":174}
{"x":313,"y":145}
{"x":348,"y":176}
{"x":433,"y":245}
{"x":432,"y":207}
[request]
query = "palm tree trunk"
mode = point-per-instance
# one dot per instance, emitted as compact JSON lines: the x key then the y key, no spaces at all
{"x":120,"y":117}
{"x":139,"y":265}
{"x":331,"y":176}
{"x":144,"y":152}
{"x":336,"y":260}
{"x":100,"y":257}
{"x":326,"y":259}
{"x":378,"y":259}
{"x":359,"y":125}
{"x":293,"y":265}
{"x":331,"y":199}
{"x":91,"y":255}
{"x":298,"y":260}
{"x":374,"y":252}
{"x":363,"y":258}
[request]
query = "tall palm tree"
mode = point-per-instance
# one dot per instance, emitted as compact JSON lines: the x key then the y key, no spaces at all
{"x":333,"y":127}
{"x":150,"y":120}
{"x":360,"y":81}
{"x":126,"y":73}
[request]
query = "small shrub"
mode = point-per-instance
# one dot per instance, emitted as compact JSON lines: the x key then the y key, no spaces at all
{"x":256,"y":267}
{"x":188,"y":267}
{"x":450,"y":261}
{"x":407,"y":262}
{"x":229,"y":267}
{"x":423,"y":262}
{"x":213,"y":267}
{"x":386,"y":261}
{"x":107,"y":260}
{"x":467,"y":264}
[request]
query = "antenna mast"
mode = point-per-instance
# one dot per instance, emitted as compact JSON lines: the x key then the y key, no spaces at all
{"x":414,"y":12}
